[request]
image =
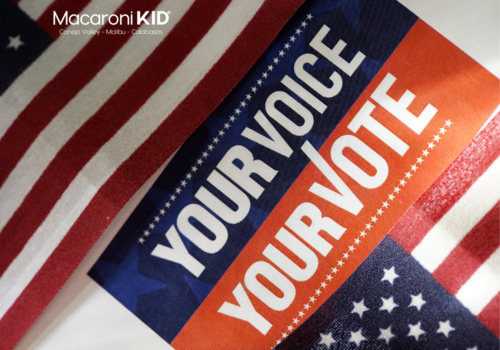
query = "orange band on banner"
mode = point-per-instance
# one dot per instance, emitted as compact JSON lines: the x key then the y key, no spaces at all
{"x":392,"y":155}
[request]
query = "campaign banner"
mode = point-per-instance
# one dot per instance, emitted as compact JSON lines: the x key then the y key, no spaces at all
{"x":352,"y":112}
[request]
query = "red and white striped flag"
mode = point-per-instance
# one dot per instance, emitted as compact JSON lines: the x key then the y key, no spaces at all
{"x":85,"y":120}
{"x":453,"y":228}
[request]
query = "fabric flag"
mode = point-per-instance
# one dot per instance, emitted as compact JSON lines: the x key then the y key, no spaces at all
{"x":346,"y":119}
{"x":89,"y":112}
{"x":433,"y":282}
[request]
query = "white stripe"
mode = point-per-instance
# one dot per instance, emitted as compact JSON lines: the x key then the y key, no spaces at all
{"x":76,"y":198}
{"x":460,"y":219}
{"x":87,"y":102}
{"x":35,"y":8}
{"x":483,"y":285}
{"x":45,"y":68}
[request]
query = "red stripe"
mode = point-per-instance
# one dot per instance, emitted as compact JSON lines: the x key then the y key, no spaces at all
{"x":128,"y":178}
{"x":476,"y":247}
{"x":59,"y":6}
{"x":491,"y":314}
{"x":62,"y":89}
{"x":101,"y":127}
{"x":449,"y":187}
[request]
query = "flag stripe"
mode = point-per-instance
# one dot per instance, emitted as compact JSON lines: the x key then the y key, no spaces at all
{"x":101,"y":127}
{"x":123,"y":144}
{"x":459,"y":220}
{"x":80,"y":109}
{"x":59,"y":6}
{"x":47,"y":66}
{"x":34,"y":8}
{"x":490,"y":316}
{"x":457,"y":179}
{"x":65,"y":85}
{"x":476,"y":247}
{"x":123,"y":184}
{"x":483,"y":285}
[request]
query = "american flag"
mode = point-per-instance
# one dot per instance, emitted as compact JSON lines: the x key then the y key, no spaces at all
{"x":85,"y":120}
{"x":433,"y":282}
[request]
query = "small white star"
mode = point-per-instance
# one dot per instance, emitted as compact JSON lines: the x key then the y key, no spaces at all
{"x":359,"y":308}
{"x":474,"y":348}
{"x":357,"y":241}
{"x":146,"y":233}
{"x":284,"y":335}
{"x":292,"y":39}
{"x":287,"y":46}
{"x":194,"y":168}
{"x":312,"y":299}
{"x":425,"y":152}
{"x":232,"y":118}
{"x":168,"y":205}
{"x":388,"y":304}
{"x":374,"y":219}
{"x":216,"y":140}
{"x":173,"y":197}
{"x":259,"y":82}
{"x":386,"y":334}
{"x":162,"y":211}
{"x":415,"y":330}
{"x":141,"y":240}
{"x":221,"y":132}
{"x":385,"y":204}
{"x":346,"y":255}
{"x":368,"y":226}
{"x":390,"y":275}
{"x":309,"y":16}
{"x":301,"y":313}
{"x":326,"y":339}
{"x":323,"y":284}
{"x":408,"y":175}
{"x":380,"y":211}
{"x":357,"y":337}
{"x":417,"y":301}
{"x":295,"y":320}
{"x":419,"y":160}
{"x":276,"y":60}
{"x":448,"y":122}
{"x":243,"y":104}
{"x":178,"y":189}
{"x":351,"y":248}
{"x":303,"y":24}
{"x":211,"y":147}
{"x":396,"y":189}
{"x":282,"y":53}
{"x":254,"y":89}
{"x":151,"y":226}
{"x":157,"y":218}
{"x":335,"y":270}
{"x":445,"y":328}
{"x":270,"y":68}
{"x":329,"y":277}
{"x":340,"y":263}
{"x":306,"y":306}
{"x":391,"y":197}
{"x":237,"y":111}
{"x":248,"y":97}
{"x":431,"y":145}
{"x":189,"y":176}
{"x":289,"y":328}
{"x":402,"y":182}
{"x":414,"y":167}
{"x":264,"y":75}
{"x":15,"y":42}
{"x":362,"y":233}
{"x":317,"y":292}
{"x":298,"y":31}
{"x":442,"y":130}
{"x":437,"y":138}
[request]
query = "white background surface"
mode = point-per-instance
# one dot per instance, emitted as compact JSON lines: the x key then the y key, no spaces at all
{"x":85,"y":316}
